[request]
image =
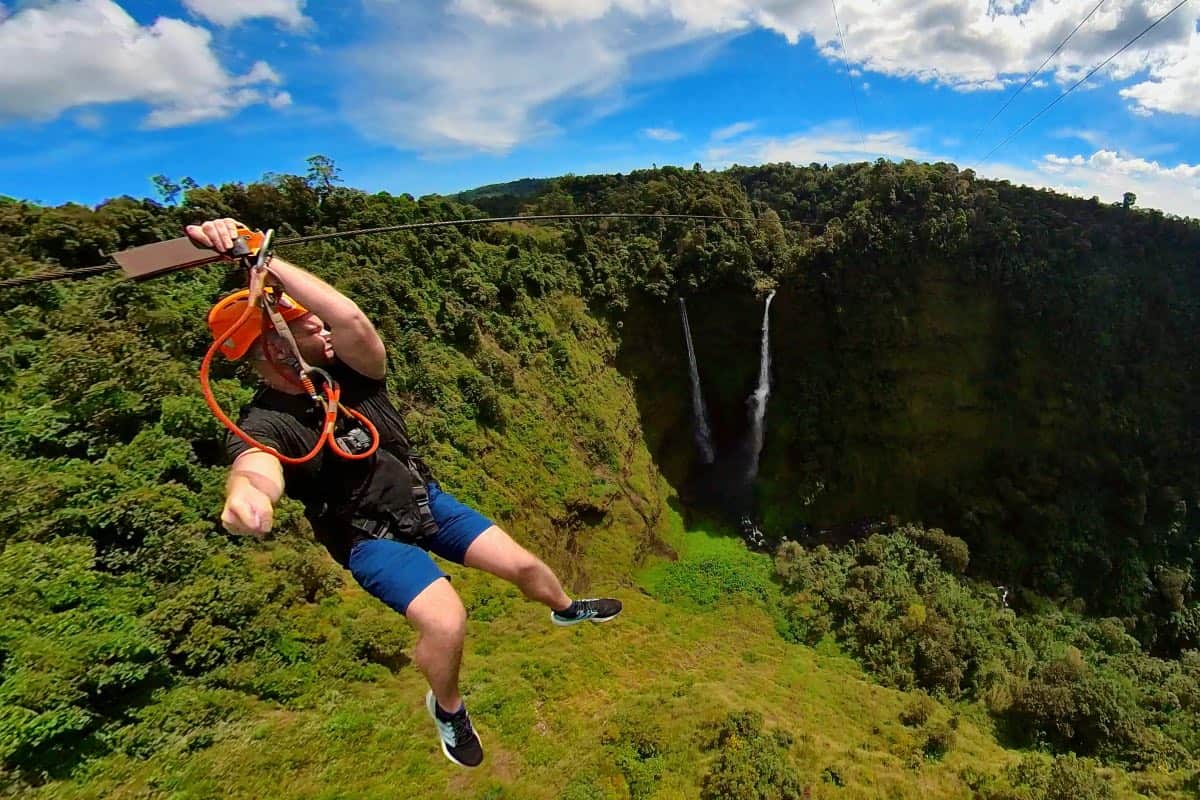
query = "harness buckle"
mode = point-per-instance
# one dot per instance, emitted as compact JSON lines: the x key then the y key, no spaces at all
{"x":373,"y":528}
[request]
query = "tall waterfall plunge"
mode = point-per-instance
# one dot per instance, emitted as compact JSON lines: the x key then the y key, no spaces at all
{"x":700,"y":427}
{"x":758,"y":400}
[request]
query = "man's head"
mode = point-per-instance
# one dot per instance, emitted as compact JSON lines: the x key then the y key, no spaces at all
{"x":258,"y":339}
{"x":312,"y":339}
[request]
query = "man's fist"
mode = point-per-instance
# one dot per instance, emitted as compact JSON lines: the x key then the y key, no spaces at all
{"x":248,"y":512}
{"x":217,"y":234}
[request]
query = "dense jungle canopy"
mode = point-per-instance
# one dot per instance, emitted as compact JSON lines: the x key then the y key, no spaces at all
{"x":975,"y":385}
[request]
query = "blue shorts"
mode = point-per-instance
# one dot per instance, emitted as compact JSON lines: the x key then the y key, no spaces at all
{"x":396,"y":572}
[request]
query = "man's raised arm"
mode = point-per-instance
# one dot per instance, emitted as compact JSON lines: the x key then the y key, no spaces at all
{"x":353,"y":336}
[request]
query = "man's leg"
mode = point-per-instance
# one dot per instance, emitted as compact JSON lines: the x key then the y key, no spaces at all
{"x":495,"y":551}
{"x":406,"y":579}
{"x":467,"y":537}
{"x":440,"y":620}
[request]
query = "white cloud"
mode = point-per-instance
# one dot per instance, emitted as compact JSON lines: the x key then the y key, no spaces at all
{"x":1175,"y":82}
{"x":732,"y":131}
{"x":1094,"y":138}
{"x":69,"y":54}
{"x":487,"y":75}
{"x":1108,"y":175}
{"x":1111,"y":163}
{"x":966,"y":44}
{"x":662,"y":134}
{"x":471,"y":79}
{"x":228,"y":13}
{"x":824,"y":145}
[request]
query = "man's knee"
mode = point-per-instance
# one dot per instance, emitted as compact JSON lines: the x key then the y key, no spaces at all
{"x":528,"y":567}
{"x":444,"y":624}
{"x":438,"y":612}
{"x":449,"y":625}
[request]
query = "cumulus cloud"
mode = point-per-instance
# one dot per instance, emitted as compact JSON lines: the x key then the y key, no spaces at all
{"x":486,"y":75}
{"x":64,"y":55}
{"x":557,"y":51}
{"x":1174,"y":86}
{"x":228,"y":13}
{"x":1112,"y":163}
{"x":662,"y":134}
{"x":1108,"y":174}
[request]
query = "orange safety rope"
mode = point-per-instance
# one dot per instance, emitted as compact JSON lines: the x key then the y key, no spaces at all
{"x":330,"y":399}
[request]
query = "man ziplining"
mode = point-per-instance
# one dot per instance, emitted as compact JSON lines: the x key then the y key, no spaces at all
{"x":379,"y":515}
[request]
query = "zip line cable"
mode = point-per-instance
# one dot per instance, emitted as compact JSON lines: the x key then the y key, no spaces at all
{"x":850,"y":78}
{"x":1076,"y":85}
{"x":87,"y":272}
{"x":1041,"y":66}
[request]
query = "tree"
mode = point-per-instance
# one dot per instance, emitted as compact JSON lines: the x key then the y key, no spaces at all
{"x":168,"y":190}
{"x":322,"y":175}
{"x":1128,"y":200}
{"x":751,"y":763}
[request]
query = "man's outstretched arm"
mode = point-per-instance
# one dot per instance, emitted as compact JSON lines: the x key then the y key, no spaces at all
{"x":254,"y":486}
{"x":354,"y":338}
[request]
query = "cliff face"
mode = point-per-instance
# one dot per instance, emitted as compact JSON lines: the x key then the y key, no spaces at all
{"x":857,"y":427}
{"x":944,"y":400}
{"x":565,"y":465}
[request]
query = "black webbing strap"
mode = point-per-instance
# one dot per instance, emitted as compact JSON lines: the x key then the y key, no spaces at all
{"x":384,"y":529}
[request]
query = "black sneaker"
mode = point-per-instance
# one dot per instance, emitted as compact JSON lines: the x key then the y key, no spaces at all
{"x":597,"y":610}
{"x":460,"y":743}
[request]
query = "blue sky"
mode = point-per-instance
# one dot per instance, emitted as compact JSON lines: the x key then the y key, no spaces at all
{"x":438,"y":96}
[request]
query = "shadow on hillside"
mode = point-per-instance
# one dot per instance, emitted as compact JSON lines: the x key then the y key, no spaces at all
{"x":70,"y":752}
{"x":653,"y":357}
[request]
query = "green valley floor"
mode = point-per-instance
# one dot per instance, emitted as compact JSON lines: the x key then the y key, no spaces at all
{"x":625,"y":709}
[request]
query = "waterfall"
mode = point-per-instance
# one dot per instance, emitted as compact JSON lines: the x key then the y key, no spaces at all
{"x":758,"y":400}
{"x":700,"y":428}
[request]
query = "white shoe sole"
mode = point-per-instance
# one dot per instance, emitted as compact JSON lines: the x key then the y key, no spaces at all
{"x":431,"y":706}
{"x":578,"y":622}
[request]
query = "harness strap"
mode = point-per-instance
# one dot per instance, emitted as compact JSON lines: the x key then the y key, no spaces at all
{"x":373,"y":528}
{"x":302,"y":368}
{"x":329,"y":396}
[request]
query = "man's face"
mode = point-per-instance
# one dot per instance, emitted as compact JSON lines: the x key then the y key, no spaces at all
{"x":313,"y":339}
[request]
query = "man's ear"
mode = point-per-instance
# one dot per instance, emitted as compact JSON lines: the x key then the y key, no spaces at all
{"x":274,"y":347}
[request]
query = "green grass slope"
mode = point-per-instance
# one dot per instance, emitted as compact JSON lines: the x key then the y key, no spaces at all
{"x":623,"y":710}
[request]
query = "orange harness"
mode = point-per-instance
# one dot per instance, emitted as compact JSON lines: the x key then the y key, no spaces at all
{"x":262,"y":300}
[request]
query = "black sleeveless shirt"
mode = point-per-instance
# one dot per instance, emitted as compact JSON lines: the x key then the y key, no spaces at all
{"x":334,"y":489}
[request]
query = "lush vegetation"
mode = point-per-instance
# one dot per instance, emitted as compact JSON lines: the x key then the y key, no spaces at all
{"x":1012,"y":366}
{"x":896,"y":603}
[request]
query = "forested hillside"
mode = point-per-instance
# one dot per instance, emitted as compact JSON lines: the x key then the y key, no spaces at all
{"x":974,"y":384}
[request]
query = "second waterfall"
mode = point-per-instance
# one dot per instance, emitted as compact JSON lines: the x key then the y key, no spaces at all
{"x":700,"y":427}
{"x":758,"y":401}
